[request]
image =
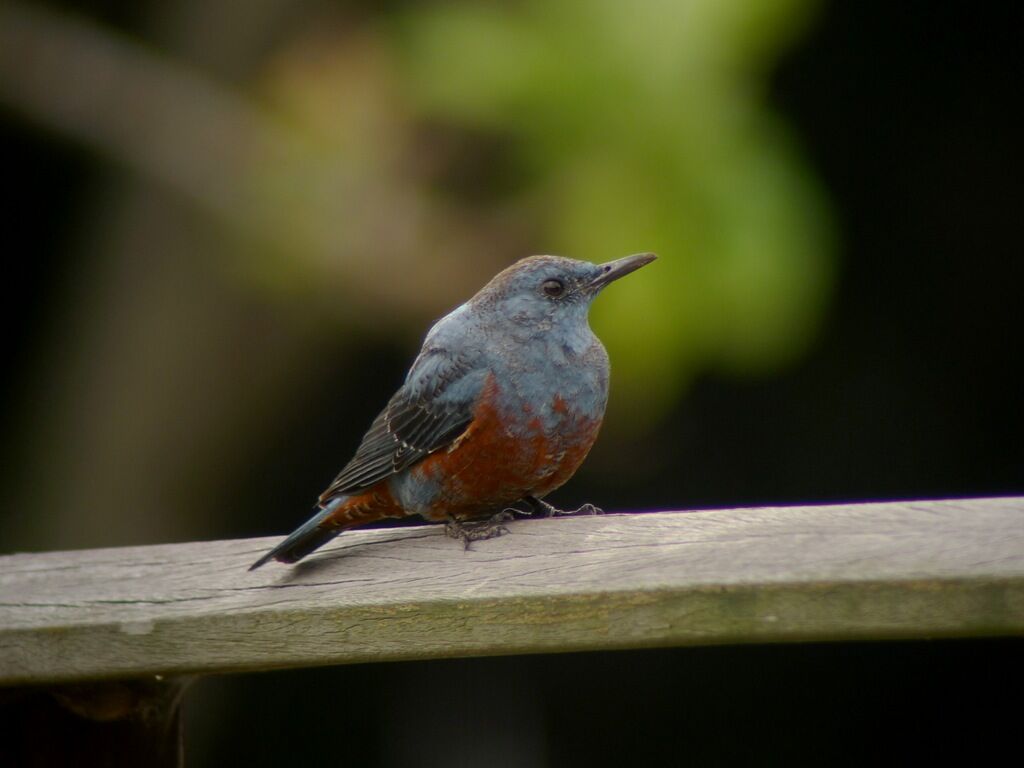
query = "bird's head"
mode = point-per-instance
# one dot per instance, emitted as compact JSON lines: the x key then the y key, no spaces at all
{"x":539,"y":291}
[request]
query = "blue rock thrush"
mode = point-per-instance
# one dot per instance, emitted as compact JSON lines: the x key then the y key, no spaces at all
{"x":501,"y":406}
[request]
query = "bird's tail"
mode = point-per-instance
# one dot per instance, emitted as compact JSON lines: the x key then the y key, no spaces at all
{"x":306,"y":538}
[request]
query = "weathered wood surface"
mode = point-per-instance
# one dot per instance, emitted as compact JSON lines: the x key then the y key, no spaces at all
{"x":891,"y":570}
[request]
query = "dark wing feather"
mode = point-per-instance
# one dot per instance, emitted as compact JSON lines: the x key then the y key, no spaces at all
{"x":426,"y":414}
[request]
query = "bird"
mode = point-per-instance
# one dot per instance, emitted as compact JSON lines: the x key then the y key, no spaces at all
{"x":501,"y":406}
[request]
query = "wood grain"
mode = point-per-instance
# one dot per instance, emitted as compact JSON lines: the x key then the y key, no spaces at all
{"x":844,"y":572}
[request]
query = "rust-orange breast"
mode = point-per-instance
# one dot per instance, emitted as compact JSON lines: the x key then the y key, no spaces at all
{"x":503,"y":457}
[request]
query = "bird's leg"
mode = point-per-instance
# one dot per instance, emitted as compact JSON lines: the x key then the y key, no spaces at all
{"x":550,"y":510}
{"x":467,"y":532}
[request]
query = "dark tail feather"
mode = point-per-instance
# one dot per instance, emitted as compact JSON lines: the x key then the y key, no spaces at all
{"x":305,"y":539}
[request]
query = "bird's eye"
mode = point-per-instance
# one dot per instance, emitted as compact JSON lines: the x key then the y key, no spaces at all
{"x":553,"y":288}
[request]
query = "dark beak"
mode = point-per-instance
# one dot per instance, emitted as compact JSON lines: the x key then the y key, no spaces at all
{"x":613,"y":270}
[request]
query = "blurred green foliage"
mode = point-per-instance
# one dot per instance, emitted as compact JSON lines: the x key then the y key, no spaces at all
{"x":643,"y":126}
{"x":587,"y":128}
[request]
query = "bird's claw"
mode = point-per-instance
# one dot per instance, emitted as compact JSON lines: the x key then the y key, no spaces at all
{"x":550,"y":510}
{"x":467,"y":533}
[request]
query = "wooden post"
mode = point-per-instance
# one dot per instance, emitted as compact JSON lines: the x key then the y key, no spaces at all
{"x":107,"y":725}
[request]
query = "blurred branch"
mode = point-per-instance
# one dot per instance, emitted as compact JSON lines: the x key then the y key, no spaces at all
{"x":309,"y":217}
{"x":125,"y":101}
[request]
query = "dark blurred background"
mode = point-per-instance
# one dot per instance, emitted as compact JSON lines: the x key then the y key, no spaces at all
{"x":229,"y":223}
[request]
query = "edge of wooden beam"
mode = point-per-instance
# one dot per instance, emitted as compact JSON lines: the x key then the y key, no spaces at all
{"x":781,"y":574}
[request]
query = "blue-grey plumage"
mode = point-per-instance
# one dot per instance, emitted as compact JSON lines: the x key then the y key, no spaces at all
{"x":502,"y":403}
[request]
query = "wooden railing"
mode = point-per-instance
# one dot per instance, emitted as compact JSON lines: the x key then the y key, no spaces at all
{"x":109,"y":635}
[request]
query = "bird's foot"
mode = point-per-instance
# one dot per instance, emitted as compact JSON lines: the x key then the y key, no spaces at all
{"x":550,"y":510}
{"x":467,"y":532}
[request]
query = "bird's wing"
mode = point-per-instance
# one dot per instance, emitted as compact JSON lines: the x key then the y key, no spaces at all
{"x":432,"y":408}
